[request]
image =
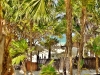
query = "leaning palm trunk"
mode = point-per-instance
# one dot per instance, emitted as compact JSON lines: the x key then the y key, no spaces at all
{"x":69,"y":31}
{"x":82,"y":21}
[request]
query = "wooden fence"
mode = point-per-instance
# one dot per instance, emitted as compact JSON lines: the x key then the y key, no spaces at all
{"x":32,"y":65}
{"x":89,"y":63}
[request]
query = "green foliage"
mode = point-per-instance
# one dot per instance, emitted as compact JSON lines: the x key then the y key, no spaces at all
{"x":60,"y":7}
{"x":18,"y":50}
{"x":76,"y":38}
{"x":76,"y":8}
{"x":16,"y":10}
{"x":18,"y":47}
{"x":49,"y":42}
{"x":76,"y":27}
{"x":18,"y":59}
{"x":89,"y":44}
{"x":94,"y":45}
{"x":60,"y":28}
{"x":84,"y":2}
{"x":81,"y":63}
{"x":11,"y":10}
{"x":48,"y":69}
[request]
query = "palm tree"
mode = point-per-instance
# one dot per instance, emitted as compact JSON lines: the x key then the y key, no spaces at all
{"x":6,"y":58}
{"x":18,"y":52}
{"x":2,"y":40}
{"x":69,"y":31}
{"x":96,"y":50}
{"x":93,"y":45}
{"x":82,"y":22}
{"x":95,"y":18}
{"x":48,"y":43}
{"x":35,"y":14}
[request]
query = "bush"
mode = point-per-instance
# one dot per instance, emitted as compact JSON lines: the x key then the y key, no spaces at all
{"x":48,"y":69}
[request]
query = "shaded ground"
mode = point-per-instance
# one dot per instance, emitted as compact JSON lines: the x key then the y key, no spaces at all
{"x":84,"y":72}
{"x":18,"y":72}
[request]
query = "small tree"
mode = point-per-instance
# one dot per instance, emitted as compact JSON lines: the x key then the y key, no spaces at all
{"x":48,"y":43}
{"x":48,"y":69}
{"x":18,"y":52}
{"x":94,"y":45}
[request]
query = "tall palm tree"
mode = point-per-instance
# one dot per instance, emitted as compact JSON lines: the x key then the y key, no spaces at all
{"x":35,"y":14}
{"x":69,"y":31}
{"x":6,"y":58}
{"x":1,"y":41}
{"x":87,"y":6}
{"x":82,"y":22}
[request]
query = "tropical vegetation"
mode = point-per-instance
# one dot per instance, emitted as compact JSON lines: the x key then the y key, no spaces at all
{"x":28,"y":24}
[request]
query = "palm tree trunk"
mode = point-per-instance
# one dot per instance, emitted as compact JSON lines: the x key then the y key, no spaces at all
{"x":0,"y":18}
{"x":2,"y":40}
{"x":4,"y":53}
{"x":69,"y":31}
{"x":6,"y":57}
{"x":82,"y":21}
{"x":97,"y":65}
{"x":31,"y":25}
{"x":64,"y":60}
